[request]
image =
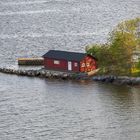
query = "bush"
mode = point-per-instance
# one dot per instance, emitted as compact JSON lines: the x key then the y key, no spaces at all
{"x":115,"y":57}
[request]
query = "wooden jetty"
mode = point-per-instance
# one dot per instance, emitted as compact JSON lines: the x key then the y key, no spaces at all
{"x":31,"y":61}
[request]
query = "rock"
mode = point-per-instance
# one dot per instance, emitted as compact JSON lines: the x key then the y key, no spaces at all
{"x":64,"y":76}
{"x":121,"y":80}
{"x":56,"y":75}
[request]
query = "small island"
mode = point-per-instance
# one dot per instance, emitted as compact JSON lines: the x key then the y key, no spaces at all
{"x":120,"y":56}
{"x":117,"y":61}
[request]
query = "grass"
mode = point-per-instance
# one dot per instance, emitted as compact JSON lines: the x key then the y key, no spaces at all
{"x":135,"y":72}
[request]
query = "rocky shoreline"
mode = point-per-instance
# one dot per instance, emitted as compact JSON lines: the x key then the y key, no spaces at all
{"x":43,"y":73}
{"x":118,"y":80}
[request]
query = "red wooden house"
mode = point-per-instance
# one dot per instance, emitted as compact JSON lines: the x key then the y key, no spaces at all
{"x":69,"y":61}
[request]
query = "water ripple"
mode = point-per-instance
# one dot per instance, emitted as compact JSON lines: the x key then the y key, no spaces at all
{"x":42,"y":109}
{"x":36,"y":35}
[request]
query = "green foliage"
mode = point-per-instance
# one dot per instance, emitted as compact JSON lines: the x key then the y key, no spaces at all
{"x":138,"y":65}
{"x":123,"y":42}
{"x":103,"y":55}
{"x":115,"y":57}
{"x":137,"y":74}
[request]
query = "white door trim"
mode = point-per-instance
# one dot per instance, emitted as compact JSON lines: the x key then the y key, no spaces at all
{"x":69,"y":65}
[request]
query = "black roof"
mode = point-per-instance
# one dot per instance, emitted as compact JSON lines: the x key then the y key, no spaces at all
{"x":70,"y":56}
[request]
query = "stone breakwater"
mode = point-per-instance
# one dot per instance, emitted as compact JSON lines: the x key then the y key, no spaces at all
{"x":43,"y":73}
{"x":118,"y":80}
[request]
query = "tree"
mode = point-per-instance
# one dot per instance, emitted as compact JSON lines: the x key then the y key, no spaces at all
{"x":124,"y":40}
{"x":103,"y":55}
{"x":115,"y":56}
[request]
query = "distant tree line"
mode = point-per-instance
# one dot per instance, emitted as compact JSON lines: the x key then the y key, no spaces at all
{"x":116,"y":56}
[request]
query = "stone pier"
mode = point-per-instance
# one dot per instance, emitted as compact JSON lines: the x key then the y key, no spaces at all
{"x":43,"y":73}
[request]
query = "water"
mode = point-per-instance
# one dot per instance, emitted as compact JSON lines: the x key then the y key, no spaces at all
{"x":38,"y":109}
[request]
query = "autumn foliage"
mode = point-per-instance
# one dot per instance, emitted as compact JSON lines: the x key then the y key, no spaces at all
{"x":115,"y":57}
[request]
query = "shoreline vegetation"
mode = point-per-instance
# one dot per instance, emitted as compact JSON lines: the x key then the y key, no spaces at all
{"x":120,"y":56}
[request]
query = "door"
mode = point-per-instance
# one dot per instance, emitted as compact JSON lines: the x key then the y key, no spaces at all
{"x":69,"y":65}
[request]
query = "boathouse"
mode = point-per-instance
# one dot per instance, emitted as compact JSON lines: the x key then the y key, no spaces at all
{"x":69,"y":61}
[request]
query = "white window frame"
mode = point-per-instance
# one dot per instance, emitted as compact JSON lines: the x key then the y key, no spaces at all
{"x":75,"y":64}
{"x":87,"y":64}
{"x":83,"y":65}
{"x":56,"y":62}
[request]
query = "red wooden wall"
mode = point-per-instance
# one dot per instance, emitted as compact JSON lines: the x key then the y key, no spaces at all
{"x":85,"y":65}
{"x":63,"y":65}
{"x":49,"y":64}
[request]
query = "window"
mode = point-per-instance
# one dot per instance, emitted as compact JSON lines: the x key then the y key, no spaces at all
{"x":88,"y":64}
{"x":75,"y":64}
{"x":57,"y":62}
{"x":83,"y":65}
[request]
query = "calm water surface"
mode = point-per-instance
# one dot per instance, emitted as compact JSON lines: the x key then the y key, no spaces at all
{"x":41,"y":109}
{"x":33,"y":108}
